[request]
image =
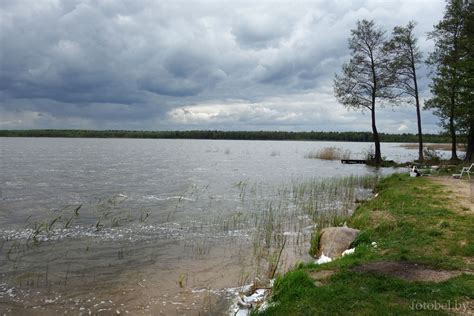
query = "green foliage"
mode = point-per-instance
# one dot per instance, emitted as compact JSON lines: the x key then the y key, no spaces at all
{"x":452,"y":59}
{"x":363,"y":239}
{"x":466,"y":66}
{"x":409,"y":221}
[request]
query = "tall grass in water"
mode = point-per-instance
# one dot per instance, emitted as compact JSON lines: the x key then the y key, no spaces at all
{"x":269,"y":224}
{"x":329,"y":153}
{"x":287,"y":221}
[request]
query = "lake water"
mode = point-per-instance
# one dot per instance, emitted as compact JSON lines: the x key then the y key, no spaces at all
{"x":148,"y":226}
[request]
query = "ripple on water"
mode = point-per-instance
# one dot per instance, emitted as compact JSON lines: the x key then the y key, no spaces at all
{"x":132,"y":233}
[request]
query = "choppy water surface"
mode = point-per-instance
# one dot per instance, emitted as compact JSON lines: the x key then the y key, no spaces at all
{"x":150,"y":226}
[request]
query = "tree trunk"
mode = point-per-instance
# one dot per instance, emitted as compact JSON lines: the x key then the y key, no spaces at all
{"x":470,"y":144}
{"x":378,"y":155}
{"x":454,"y":155}
{"x":418,"y":112}
{"x":420,"y":134}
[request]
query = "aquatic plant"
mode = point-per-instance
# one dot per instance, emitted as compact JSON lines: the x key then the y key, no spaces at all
{"x":329,"y":153}
{"x":286,"y":220}
{"x":76,"y":210}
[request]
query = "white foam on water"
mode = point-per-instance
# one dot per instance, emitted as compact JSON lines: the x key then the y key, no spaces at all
{"x":135,"y":232}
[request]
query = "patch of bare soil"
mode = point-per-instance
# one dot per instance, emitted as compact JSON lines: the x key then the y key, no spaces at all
{"x":321,"y":277}
{"x":408,"y":271}
{"x":460,"y":195}
{"x":377,"y":216}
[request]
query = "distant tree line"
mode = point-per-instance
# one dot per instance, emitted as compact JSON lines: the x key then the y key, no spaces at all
{"x":214,"y":134}
{"x":383,"y":71}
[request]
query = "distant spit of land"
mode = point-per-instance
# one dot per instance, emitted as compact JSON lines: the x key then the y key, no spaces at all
{"x":242,"y":135}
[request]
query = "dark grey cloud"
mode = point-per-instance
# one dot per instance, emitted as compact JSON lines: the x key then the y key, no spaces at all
{"x":184,"y":71}
{"x":201,"y":64}
{"x":258,"y":30}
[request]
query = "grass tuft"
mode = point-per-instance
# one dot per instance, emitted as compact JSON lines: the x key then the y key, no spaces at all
{"x":329,"y":153}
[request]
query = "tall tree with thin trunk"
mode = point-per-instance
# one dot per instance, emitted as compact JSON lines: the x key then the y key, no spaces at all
{"x":366,"y":78}
{"x":405,"y":58}
{"x":446,"y":58}
{"x":466,"y":86}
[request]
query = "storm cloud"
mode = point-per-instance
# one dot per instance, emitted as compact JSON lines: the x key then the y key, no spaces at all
{"x":142,"y":64}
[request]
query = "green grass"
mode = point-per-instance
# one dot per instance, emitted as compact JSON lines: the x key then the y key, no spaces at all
{"x":412,"y":219}
{"x":351,"y":293}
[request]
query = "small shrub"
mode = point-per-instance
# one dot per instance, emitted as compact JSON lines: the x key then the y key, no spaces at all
{"x":362,"y":238}
{"x":369,"y":153}
{"x":431,"y":155}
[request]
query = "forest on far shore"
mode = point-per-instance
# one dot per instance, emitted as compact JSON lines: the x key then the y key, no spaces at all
{"x":235,"y":135}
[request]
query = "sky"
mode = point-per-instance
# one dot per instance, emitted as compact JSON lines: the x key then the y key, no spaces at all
{"x":181,"y":65}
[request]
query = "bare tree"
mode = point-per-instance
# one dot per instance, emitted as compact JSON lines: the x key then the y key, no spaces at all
{"x":367,"y":76}
{"x":405,"y":57}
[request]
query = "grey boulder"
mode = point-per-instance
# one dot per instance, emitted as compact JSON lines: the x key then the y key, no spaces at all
{"x":334,"y":240}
